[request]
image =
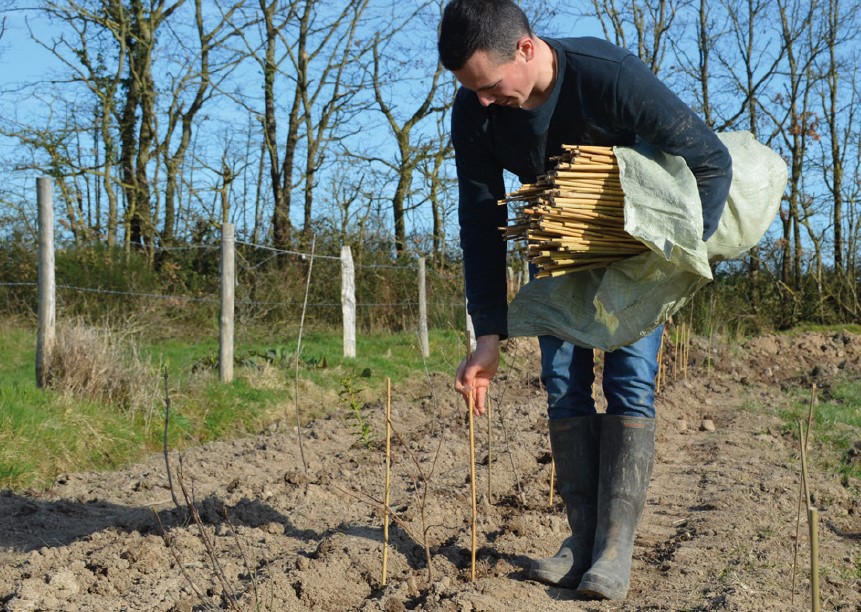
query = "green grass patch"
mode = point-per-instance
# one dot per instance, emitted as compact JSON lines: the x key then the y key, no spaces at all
{"x":836,"y":425}
{"x":44,"y":433}
{"x":801,"y":328}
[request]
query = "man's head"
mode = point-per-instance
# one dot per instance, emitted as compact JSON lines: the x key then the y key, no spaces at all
{"x":492,"y":26}
{"x":489,"y":47}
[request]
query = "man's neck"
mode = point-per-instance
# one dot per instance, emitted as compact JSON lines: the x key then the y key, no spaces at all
{"x":545,"y":74}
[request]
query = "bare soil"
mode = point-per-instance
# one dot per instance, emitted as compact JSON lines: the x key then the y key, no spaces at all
{"x":719,"y":530}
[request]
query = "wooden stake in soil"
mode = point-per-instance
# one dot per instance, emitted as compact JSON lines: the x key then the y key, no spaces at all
{"x":688,"y":342}
{"x":660,"y":363}
{"x":164,"y":440}
{"x":812,"y":514}
{"x":675,"y":354}
{"x":801,"y":488}
{"x":686,"y":338}
{"x":299,"y":350}
{"x":813,"y":524}
{"x":489,"y":451}
{"x":388,"y":472}
{"x":709,"y":354}
{"x":552,"y":479}
{"x":472,"y":485}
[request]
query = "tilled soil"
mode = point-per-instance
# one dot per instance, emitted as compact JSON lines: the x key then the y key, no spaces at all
{"x":261,"y":532}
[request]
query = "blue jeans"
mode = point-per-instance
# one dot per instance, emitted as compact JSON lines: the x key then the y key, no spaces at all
{"x":629,"y":377}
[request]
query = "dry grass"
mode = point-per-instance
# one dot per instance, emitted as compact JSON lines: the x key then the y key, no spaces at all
{"x":93,"y":363}
{"x":267,"y":376}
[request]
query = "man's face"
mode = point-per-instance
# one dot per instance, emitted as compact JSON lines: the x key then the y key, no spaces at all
{"x":495,"y":81}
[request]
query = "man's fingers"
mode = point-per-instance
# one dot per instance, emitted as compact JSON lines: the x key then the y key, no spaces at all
{"x":469,"y":383}
{"x":480,"y":398}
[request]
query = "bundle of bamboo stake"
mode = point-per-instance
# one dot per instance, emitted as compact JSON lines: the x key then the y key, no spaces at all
{"x":573,"y":218}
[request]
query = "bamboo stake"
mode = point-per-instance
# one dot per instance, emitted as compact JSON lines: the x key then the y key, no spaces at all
{"x":686,"y":345}
{"x":797,"y":536}
{"x":804,"y":463}
{"x":388,"y":472}
{"x":552,"y":479}
{"x":709,"y":353}
{"x":586,"y":196}
{"x":660,"y":365}
{"x":812,"y":515}
{"x":568,"y":269}
{"x":675,"y":354}
{"x":801,"y":490}
{"x":575,"y":174}
{"x":572,"y":218}
{"x":690,"y":335}
{"x":489,"y":453}
{"x":472,"y":485}
{"x":599,"y":149}
{"x":813,"y":522}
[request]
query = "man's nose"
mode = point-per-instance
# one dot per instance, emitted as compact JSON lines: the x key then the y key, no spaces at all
{"x":486,"y":99}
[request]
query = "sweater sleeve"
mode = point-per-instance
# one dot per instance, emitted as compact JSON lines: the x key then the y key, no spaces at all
{"x":480,"y":186}
{"x":644,"y":105}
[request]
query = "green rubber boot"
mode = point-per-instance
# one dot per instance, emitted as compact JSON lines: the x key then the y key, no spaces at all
{"x":627,"y":454}
{"x":574,"y":444}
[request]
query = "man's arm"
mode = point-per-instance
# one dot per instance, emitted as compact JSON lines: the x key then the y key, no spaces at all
{"x":648,"y":108}
{"x":480,"y":186}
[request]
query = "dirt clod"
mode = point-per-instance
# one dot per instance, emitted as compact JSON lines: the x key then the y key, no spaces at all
{"x":707,"y":425}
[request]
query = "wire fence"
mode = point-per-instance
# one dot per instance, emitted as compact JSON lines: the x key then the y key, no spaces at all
{"x":251,"y":292}
{"x":186,"y":285}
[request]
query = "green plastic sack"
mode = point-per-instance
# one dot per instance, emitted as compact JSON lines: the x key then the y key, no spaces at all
{"x":615,"y":306}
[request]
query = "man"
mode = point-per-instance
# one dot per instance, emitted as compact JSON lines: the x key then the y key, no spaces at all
{"x":522,"y":97}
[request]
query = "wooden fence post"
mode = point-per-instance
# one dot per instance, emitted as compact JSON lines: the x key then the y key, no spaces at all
{"x":348,"y":301}
{"x":423,"y":310}
{"x":228,"y":292}
{"x":47,"y":308}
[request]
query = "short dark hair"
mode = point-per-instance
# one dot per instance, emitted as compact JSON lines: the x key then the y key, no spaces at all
{"x":468,"y":26}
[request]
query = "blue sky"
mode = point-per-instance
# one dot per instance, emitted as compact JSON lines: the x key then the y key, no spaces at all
{"x":21,"y":59}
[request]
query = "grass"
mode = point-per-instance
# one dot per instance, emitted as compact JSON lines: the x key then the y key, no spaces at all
{"x":836,"y":425}
{"x":852,"y":328}
{"x":44,"y":433}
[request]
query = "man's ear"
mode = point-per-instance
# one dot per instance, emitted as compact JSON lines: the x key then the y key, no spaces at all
{"x":526,"y":46}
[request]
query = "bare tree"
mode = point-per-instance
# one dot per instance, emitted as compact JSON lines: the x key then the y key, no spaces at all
{"x":3,"y":7}
{"x":409,"y":155}
{"x":441,"y":189}
{"x":53,"y":154}
{"x":137,"y":121}
{"x":280,"y":170}
{"x":640,"y":26}
{"x":747,"y":64}
{"x":327,"y":106}
{"x":314,"y":47}
{"x":202,"y":79}
{"x":348,"y":201}
{"x":839,"y":103}
{"x":93,"y":51}
{"x":411,"y":125}
{"x":797,"y":125}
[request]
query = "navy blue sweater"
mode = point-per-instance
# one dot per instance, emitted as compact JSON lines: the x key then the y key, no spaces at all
{"x":603,"y":95}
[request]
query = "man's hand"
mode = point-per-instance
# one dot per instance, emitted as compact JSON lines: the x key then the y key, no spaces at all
{"x":476,"y":371}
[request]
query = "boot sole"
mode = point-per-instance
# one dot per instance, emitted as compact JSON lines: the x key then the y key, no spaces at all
{"x":593,"y":591}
